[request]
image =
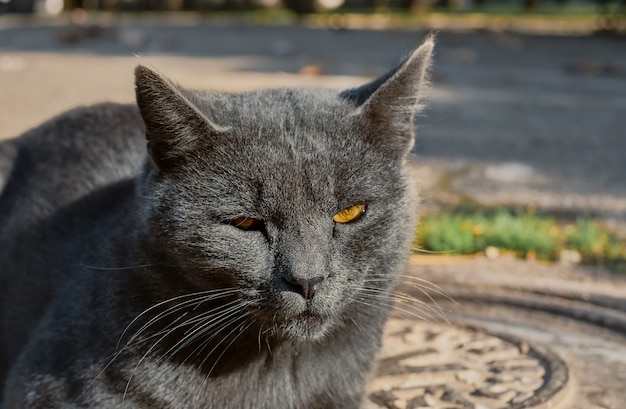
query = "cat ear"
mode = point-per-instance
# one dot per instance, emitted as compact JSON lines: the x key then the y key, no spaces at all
{"x":174,"y":124}
{"x":387,"y":105}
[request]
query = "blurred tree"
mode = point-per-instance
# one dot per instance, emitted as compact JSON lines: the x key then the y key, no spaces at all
{"x":530,"y":4}
{"x":416,"y":5}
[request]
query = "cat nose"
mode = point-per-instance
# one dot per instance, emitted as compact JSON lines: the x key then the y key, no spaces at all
{"x":305,"y":286}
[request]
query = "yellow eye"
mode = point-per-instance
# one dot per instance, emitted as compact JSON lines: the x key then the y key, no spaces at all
{"x":350,"y":214}
{"x":246,"y":223}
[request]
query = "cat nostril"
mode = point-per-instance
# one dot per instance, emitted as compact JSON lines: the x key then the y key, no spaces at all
{"x":306,"y":286}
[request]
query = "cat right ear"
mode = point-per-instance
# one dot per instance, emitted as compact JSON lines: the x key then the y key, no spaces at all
{"x":174,"y":124}
{"x":387,"y":106}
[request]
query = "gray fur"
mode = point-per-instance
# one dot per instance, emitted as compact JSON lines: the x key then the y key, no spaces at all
{"x":123,"y":284}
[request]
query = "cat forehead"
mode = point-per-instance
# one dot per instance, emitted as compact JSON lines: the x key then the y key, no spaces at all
{"x":283,"y":124}
{"x":285,"y":145}
{"x":291,"y":140}
{"x":301,"y":167}
{"x":279,"y":107}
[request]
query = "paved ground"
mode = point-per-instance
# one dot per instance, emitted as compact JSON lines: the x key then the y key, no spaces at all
{"x":515,"y":335}
{"x":514,"y":119}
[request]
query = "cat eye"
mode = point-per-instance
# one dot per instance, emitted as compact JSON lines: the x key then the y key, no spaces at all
{"x":350,"y":214}
{"x":246,"y":223}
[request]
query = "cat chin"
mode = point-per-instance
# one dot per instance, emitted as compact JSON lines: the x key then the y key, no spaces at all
{"x":306,"y":328}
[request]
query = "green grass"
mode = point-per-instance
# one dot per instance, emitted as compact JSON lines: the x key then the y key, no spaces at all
{"x":597,"y":245}
{"x":522,"y":232}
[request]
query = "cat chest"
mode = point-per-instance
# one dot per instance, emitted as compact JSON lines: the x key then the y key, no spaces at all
{"x":270,"y":382}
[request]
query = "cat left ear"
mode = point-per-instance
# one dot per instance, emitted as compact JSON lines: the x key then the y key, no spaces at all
{"x":388,"y":105}
{"x":175,"y":126}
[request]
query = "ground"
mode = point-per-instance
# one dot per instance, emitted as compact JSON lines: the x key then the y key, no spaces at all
{"x":513,"y":119}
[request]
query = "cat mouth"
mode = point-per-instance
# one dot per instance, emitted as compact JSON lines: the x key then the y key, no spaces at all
{"x":296,"y":318}
{"x":306,"y":326}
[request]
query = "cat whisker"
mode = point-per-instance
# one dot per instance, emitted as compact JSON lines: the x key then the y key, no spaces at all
{"x":171,"y":328}
{"x":226,"y":313}
{"x":241,"y":330}
{"x":387,"y":301}
{"x":267,"y":341}
{"x":193,"y":321}
{"x":200,"y":319}
{"x":259,"y":338}
{"x":146,"y":311}
{"x":120,"y":351}
{"x":356,"y":324}
{"x":392,"y":308}
{"x":137,"y":341}
{"x":200,"y":297}
{"x":97,"y":268}
{"x":379,"y":307}
{"x":424,"y":286}
{"x":408,"y":298}
{"x":433,"y":306}
{"x":413,"y":311}
{"x":421,"y":250}
{"x":145,"y":355}
{"x":263,"y":338}
{"x":208,"y":355}
{"x":427,"y":285}
{"x":130,"y":377}
{"x":198,"y":331}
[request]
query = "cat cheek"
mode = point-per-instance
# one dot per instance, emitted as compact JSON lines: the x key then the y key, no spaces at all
{"x":246,"y":253}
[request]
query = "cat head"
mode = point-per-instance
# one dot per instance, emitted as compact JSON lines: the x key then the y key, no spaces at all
{"x":295,"y":202}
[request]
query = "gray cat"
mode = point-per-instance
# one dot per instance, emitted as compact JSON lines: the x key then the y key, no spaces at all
{"x":246,"y":261}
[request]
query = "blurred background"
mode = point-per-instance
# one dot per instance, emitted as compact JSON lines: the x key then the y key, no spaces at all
{"x":522,"y":147}
{"x":316,"y":6}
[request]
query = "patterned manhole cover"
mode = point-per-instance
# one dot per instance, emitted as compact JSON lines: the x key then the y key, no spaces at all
{"x":426,"y":365}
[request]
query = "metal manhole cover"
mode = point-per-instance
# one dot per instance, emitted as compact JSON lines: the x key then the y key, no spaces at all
{"x":426,"y":365}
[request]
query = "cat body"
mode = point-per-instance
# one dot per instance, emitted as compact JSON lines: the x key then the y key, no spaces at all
{"x":247,"y":260}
